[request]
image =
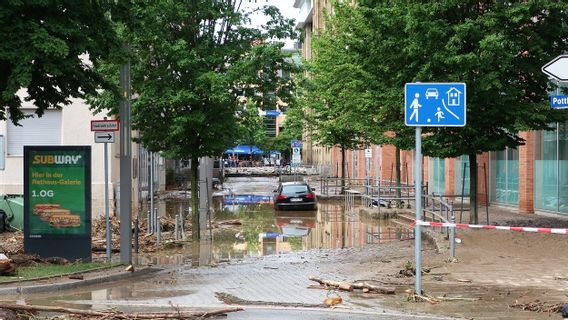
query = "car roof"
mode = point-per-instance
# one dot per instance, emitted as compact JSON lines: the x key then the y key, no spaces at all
{"x":291,"y":183}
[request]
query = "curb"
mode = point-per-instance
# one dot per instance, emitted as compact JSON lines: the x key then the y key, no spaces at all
{"x":79,"y":283}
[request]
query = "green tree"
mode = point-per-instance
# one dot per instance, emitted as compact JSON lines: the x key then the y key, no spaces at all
{"x":46,"y":49}
{"x":496,"y":48}
{"x":335,"y":96}
{"x":190,"y":63}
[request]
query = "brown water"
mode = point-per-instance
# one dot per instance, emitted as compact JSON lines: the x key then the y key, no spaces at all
{"x":265,"y":231}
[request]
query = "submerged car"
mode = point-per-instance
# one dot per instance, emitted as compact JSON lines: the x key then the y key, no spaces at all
{"x":294,"y":196}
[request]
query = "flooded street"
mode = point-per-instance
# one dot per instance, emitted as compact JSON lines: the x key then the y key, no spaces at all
{"x":264,"y":231}
{"x":267,"y":256}
{"x":262,"y":260}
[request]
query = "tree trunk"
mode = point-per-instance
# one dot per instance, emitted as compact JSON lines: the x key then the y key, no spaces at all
{"x":343,"y":170}
{"x":195,"y":199}
{"x":398,"y":178}
{"x":473,"y":215}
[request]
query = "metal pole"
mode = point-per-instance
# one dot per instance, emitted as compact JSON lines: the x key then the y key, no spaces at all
{"x":158,"y":230}
{"x":176,"y":231}
{"x":151,"y":185}
{"x":125,"y":168}
{"x":155,"y":223}
{"x":463,"y":192}
{"x":149,"y":224}
{"x":452,"y":235}
{"x":418,"y":194}
{"x":107,"y":211}
{"x":486,"y":193}
{"x":136,"y":233}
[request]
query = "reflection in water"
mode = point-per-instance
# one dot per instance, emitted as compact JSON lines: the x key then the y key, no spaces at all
{"x":265,"y":231}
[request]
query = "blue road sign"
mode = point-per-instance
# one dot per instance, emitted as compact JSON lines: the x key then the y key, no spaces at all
{"x":296,"y":144}
{"x":435,"y":104}
{"x":559,"y":102}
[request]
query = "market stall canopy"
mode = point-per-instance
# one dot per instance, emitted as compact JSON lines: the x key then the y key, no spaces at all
{"x":244,"y":149}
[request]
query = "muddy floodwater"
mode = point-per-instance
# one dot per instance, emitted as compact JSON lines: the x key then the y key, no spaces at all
{"x":247,"y":225}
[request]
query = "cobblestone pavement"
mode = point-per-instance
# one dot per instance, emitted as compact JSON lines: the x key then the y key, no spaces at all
{"x":275,"y":286}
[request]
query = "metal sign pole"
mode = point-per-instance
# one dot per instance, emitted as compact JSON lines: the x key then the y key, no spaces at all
{"x":418,"y":193}
{"x":125,"y":168}
{"x":107,"y":213}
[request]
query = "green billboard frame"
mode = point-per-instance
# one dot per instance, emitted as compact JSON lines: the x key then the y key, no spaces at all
{"x":57,"y":201}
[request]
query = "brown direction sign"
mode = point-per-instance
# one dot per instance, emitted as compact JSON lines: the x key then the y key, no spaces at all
{"x":104,"y":125}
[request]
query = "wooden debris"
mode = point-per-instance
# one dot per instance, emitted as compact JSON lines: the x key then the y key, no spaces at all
{"x":117,"y":314}
{"x":335,"y":284}
{"x":413,"y":297}
{"x":231,"y":299}
{"x":360,"y":285}
{"x":8,"y":315}
{"x":367,"y":287}
{"x":539,"y":306}
{"x":457,"y":299}
{"x":7,"y":267}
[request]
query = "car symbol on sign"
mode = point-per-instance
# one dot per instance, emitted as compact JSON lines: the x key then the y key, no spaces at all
{"x":432,"y":92}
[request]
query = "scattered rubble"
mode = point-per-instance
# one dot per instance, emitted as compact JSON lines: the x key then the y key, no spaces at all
{"x":113,"y":314}
{"x":539,"y":306}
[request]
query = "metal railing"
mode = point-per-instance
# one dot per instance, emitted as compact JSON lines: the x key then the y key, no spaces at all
{"x":437,"y":208}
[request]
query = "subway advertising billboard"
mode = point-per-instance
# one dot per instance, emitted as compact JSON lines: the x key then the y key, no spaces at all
{"x":57,"y":201}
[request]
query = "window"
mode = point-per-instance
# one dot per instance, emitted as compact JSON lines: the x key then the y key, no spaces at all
{"x":436,"y":175}
{"x":551,"y":169}
{"x":505,"y":176}
{"x":2,"y":154}
{"x":34,"y":132}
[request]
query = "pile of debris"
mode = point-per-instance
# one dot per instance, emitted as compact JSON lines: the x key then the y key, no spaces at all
{"x":147,"y":241}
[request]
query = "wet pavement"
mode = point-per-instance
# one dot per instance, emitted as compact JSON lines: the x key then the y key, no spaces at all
{"x":266,"y":261}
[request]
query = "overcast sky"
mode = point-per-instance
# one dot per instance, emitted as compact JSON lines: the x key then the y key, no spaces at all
{"x":286,"y":8}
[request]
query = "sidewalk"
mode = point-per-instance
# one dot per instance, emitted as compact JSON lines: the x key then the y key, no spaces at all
{"x":64,"y":282}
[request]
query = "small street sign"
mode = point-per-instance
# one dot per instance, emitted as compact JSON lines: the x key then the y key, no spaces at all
{"x":295,"y":150}
{"x":557,"y":68}
{"x":104,"y":125}
{"x":368,"y":153}
{"x":435,"y":104}
{"x":559,"y":102}
{"x":296,"y":144}
{"x":104,"y":137}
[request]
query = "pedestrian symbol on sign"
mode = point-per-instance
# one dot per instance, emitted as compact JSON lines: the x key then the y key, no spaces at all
{"x":435,"y":104}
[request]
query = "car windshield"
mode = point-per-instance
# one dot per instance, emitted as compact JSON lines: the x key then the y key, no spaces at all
{"x":295,"y":189}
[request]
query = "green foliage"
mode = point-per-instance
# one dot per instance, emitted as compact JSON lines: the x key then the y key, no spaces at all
{"x":192,"y":64}
{"x":497,"y":48}
{"x":336,"y":96}
{"x":46,"y":48}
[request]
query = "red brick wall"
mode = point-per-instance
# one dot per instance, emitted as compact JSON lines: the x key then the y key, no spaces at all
{"x":482,"y":160}
{"x":388,"y":160}
{"x":526,"y":173}
{"x":450,"y":174}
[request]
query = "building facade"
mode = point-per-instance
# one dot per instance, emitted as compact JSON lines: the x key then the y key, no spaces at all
{"x":71,"y":126}
{"x":533,"y":177}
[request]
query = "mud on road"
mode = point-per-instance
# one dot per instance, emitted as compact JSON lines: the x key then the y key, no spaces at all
{"x":497,"y":273}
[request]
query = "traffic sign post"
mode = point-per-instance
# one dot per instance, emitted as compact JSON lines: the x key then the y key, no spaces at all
{"x":559,"y":102}
{"x":105,"y":125}
{"x":104,"y":133}
{"x":104,"y":137}
{"x":430,"y":105}
{"x":435,"y":104}
{"x":557,"y":68}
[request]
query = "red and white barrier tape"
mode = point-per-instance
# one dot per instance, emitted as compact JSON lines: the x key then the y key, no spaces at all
{"x":479,"y":226}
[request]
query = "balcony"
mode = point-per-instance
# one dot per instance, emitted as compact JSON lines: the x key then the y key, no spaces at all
{"x":305,"y":15}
